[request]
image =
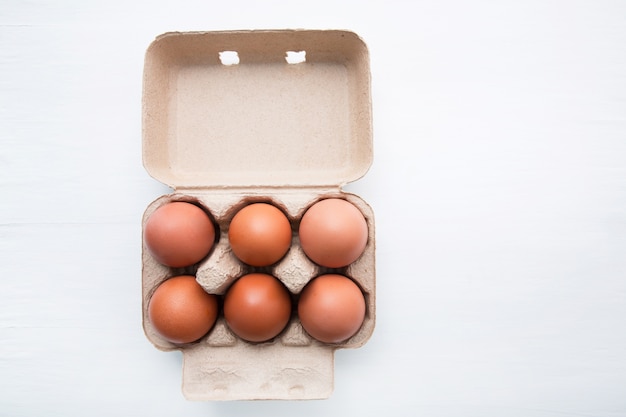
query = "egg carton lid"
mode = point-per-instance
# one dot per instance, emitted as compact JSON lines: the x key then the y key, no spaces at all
{"x":257,"y":108}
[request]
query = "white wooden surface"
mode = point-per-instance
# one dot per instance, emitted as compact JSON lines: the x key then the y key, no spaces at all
{"x":499,"y":185}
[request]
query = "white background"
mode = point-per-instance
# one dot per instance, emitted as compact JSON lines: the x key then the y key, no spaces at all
{"x":498,"y":183}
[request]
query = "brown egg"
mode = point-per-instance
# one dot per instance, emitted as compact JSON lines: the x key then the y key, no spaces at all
{"x":179,"y":234}
{"x":260,"y":234}
{"x":331,"y":308}
{"x":333,"y":233}
{"x":257,"y":307}
{"x":181,"y":311}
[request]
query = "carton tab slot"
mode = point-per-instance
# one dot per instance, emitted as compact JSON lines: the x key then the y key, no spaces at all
{"x":229,"y":57}
{"x":295,"y":57}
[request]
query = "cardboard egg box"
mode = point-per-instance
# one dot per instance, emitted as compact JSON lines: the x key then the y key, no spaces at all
{"x":238,"y":117}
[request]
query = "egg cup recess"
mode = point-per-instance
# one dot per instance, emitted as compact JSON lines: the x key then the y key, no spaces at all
{"x":333,"y":232}
{"x":259,"y":234}
{"x":257,"y":307}
{"x":311,"y":125}
{"x":181,"y":311}
{"x":179,"y":234}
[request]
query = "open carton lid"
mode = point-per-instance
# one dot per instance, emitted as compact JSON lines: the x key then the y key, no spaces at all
{"x":275,"y":108}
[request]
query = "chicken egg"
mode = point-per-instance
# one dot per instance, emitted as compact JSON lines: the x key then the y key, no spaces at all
{"x":181,"y":311}
{"x":257,"y":307}
{"x":260,"y":234}
{"x":331,"y":308}
{"x":333,"y":233}
{"x":179,"y":234}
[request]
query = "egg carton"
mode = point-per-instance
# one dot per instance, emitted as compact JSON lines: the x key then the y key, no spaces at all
{"x":293,"y":365}
{"x":206,"y":134}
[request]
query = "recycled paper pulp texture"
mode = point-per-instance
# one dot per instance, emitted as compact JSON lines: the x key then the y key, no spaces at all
{"x":224,"y":135}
